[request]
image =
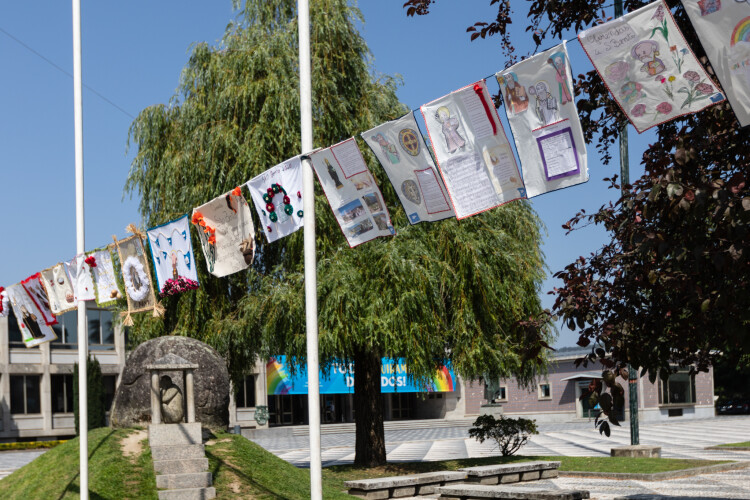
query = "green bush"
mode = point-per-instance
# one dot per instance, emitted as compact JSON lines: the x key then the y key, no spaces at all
{"x":509,"y":433}
{"x":95,"y":392}
{"x":29,"y":445}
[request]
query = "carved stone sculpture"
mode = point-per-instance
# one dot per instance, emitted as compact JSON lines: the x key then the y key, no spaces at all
{"x":172,"y":408}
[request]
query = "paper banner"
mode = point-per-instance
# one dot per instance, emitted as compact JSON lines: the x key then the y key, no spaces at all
{"x":723,"y":28}
{"x":4,"y":303}
{"x":538,"y":95}
{"x":352,"y":193}
{"x":107,"y":290}
{"x":472,"y":151}
{"x":38,"y":295}
{"x":136,"y":276}
{"x":59,"y":289}
{"x":277,"y":195}
{"x":34,"y":330}
{"x":402,"y":153}
{"x":227,"y":234}
{"x":648,"y":67}
{"x":81,"y":278}
{"x":172,"y":253}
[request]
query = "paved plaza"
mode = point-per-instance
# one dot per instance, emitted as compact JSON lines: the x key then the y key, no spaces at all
{"x":12,"y":460}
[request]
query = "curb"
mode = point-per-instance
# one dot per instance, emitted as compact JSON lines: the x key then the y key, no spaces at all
{"x":658,"y":476}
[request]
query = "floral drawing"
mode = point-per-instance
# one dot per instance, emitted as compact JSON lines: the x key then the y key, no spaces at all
{"x":695,"y":90}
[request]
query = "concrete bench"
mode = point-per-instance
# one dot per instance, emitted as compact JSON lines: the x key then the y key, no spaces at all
{"x":511,"y":473}
{"x":482,"y":491}
{"x":403,"y":486}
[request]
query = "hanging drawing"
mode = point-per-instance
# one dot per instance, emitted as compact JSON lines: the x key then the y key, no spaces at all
{"x":34,"y":329}
{"x":225,"y":228}
{"x":59,"y":289}
{"x":277,"y":194}
{"x":550,"y":146}
{"x":81,"y":277}
{"x":4,"y":303}
{"x":355,"y":199}
{"x":648,"y":67}
{"x":724,"y":31}
{"x":103,"y":269}
{"x":173,"y":258}
{"x":136,"y":276}
{"x":472,"y":151}
{"x":414,"y":175}
{"x":38,"y":295}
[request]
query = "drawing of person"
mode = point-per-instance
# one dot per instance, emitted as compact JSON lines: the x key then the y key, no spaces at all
{"x":449,"y":128}
{"x":389,"y":150}
{"x":173,"y":258}
{"x":546,"y":104}
{"x":30,"y":321}
{"x":646,"y":52}
{"x":515,"y":94}
{"x":557,"y":60}
{"x":333,"y":174}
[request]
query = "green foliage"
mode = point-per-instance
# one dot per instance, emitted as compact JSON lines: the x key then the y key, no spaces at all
{"x":29,"y":445}
{"x":95,"y":395}
{"x":611,"y":404}
{"x":509,"y":433}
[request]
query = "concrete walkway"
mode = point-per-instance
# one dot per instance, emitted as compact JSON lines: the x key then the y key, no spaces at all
{"x":12,"y":460}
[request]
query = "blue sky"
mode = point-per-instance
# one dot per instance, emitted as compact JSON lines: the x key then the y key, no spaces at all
{"x":133,"y":53}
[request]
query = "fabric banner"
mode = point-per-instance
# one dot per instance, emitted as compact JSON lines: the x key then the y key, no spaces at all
{"x":81,"y":278}
{"x":227,"y":234}
{"x":136,"y":276}
{"x":354,"y":197}
{"x":4,"y":303}
{"x":472,"y":150}
{"x":172,"y":253}
{"x":107,"y":291}
{"x":277,"y":195}
{"x":394,"y":377}
{"x":38,"y":295}
{"x":723,"y":28}
{"x":34,"y":330}
{"x":60,"y":290}
{"x":538,"y":95}
{"x":402,"y":153}
{"x":648,"y":67}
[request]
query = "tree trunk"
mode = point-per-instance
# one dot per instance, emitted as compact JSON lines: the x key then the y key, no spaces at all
{"x":368,"y":410}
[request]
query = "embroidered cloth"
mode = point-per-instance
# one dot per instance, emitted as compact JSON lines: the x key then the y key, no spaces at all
{"x":136,"y":276}
{"x":34,"y":330}
{"x":172,"y":254}
{"x":107,"y":291}
{"x":60,"y":290}
{"x":285,"y":201}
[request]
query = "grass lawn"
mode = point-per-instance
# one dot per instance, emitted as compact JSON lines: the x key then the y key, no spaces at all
{"x":744,"y":444}
{"x":54,"y":475}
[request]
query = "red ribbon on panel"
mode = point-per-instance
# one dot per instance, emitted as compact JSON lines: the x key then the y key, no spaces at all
{"x":478,"y":89}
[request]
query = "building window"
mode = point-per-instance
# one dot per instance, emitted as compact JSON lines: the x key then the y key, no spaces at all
{"x":24,"y":394}
{"x":15,"y":339}
{"x":679,"y":388}
{"x":544,"y":391}
{"x":502,"y":393}
{"x":66,"y":330}
{"x":101,"y":330}
{"x":244,"y":394}
{"x":110,"y":384}
{"x":62,"y":393}
{"x":434,"y":395}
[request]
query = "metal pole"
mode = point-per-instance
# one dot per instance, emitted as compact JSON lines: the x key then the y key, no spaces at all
{"x":625,"y":179}
{"x":83,"y":420}
{"x":311,"y":279}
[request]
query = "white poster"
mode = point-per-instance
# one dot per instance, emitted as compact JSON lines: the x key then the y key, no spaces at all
{"x":81,"y":278}
{"x":723,"y":27}
{"x":472,"y":151}
{"x":352,"y":193}
{"x":172,"y":254}
{"x":227,"y":233}
{"x":4,"y":303}
{"x":60,"y":291}
{"x":107,"y":290}
{"x":648,"y":67}
{"x":538,"y":96}
{"x":277,"y":195}
{"x":34,"y":330}
{"x":404,"y":156}
{"x":38,"y":295}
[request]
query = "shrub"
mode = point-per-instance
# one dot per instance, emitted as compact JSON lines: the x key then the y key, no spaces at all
{"x":509,"y":433}
{"x":95,"y":392}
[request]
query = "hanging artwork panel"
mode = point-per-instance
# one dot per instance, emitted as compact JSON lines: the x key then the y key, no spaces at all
{"x":723,"y":28}
{"x":34,"y":329}
{"x":472,"y":151}
{"x":79,"y":272}
{"x":277,"y":195}
{"x":38,"y":295}
{"x":538,"y":95}
{"x":59,"y":289}
{"x":103,"y":269}
{"x":172,"y":254}
{"x":136,"y":276}
{"x":648,"y":67}
{"x":227,"y":234}
{"x":401,"y":151}
{"x":4,"y":303}
{"x":355,"y":199}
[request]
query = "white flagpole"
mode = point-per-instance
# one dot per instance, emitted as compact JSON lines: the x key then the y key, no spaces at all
{"x":80,"y":248}
{"x":311,"y":279}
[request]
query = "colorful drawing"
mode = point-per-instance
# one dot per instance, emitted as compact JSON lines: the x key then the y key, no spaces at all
{"x":277,"y":378}
{"x":557,"y":60}
{"x":741,"y":32}
{"x":441,"y":381}
{"x":409,"y":140}
{"x":617,"y":71}
{"x":709,"y":6}
{"x":631,"y":92}
{"x":453,"y":140}
{"x":389,"y":150}
{"x":646,"y":51}
{"x":546,"y":104}
{"x":516,"y":98}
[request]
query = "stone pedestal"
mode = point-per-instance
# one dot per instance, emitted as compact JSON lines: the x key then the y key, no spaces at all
{"x":494,"y":409}
{"x":175,"y":434}
{"x":639,"y":450}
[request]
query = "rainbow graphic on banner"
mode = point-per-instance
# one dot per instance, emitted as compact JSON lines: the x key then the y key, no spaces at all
{"x":441,"y":382}
{"x":277,"y":380}
{"x":741,"y":32}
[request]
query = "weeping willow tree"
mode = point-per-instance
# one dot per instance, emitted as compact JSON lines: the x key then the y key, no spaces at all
{"x":448,"y":291}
